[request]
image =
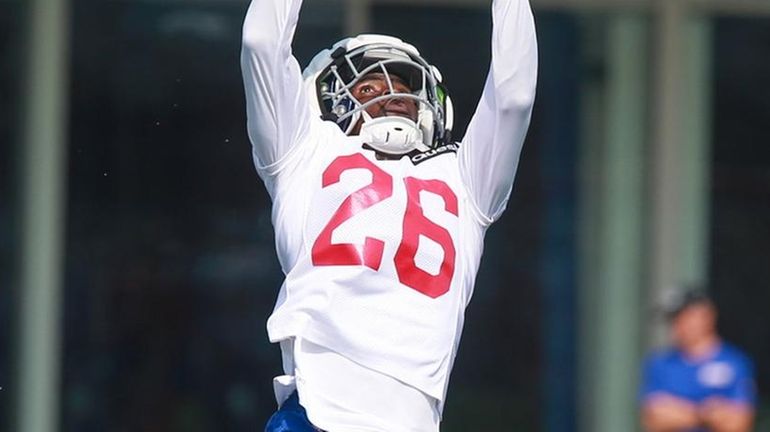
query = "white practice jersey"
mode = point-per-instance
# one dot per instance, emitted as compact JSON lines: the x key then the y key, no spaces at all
{"x":380,"y":256}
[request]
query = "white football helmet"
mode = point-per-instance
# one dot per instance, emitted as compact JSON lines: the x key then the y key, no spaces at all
{"x":333,"y":72}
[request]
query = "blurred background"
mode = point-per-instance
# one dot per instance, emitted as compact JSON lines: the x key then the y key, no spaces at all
{"x":137,"y":264}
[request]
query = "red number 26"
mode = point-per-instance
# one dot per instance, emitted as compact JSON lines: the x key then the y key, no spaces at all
{"x":415,"y":224}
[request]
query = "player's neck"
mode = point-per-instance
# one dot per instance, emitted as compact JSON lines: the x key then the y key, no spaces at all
{"x":703,"y":347}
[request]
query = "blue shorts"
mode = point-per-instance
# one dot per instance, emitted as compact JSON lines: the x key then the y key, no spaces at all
{"x":290,"y":417}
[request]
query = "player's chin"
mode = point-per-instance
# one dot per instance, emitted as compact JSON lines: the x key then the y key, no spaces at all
{"x":406,"y":115}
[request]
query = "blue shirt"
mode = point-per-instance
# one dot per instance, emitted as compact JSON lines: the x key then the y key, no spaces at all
{"x":727,"y":373}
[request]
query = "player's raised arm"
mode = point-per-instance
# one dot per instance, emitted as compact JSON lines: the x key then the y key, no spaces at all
{"x":277,"y":109}
{"x":490,"y":151}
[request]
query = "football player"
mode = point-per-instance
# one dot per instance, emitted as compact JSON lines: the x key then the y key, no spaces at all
{"x":379,"y":215}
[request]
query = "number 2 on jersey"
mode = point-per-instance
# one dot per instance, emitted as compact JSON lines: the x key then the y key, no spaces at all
{"x":415,"y":224}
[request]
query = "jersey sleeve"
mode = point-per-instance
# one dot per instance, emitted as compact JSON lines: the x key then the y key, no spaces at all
{"x":278,"y":113}
{"x":489,"y":152}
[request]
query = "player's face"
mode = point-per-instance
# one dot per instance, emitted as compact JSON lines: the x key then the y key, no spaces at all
{"x":375,"y":84}
{"x":694,"y":323}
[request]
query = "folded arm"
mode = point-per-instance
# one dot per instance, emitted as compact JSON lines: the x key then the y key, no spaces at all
{"x":490,"y":151}
{"x":277,"y":108}
{"x":723,"y":415}
{"x":663,"y":412}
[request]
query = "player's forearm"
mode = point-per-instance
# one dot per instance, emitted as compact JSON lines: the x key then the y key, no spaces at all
{"x":493,"y":142}
{"x":269,"y":26}
{"x":668,"y":423}
{"x":514,"y":56}
{"x":740,"y":426}
{"x":276,"y":107}
{"x":669,"y":414}
{"x":730,"y":420}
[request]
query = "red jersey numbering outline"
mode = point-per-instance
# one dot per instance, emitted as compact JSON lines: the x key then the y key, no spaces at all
{"x":416,"y":224}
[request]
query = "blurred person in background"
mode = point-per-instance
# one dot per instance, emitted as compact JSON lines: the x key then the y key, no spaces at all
{"x":379,"y":215}
{"x":701,"y":383}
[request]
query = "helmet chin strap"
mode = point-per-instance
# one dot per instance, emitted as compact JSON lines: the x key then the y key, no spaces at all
{"x":391,"y":134}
